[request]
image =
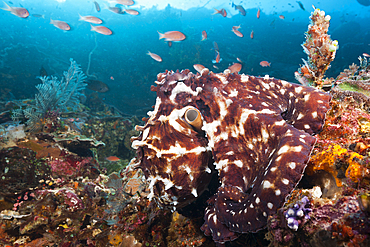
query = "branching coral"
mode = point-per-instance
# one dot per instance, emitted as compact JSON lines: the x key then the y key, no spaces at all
{"x":320,"y":49}
{"x":357,"y":72}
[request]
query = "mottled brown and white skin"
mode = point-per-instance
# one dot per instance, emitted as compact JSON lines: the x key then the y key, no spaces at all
{"x":256,"y":132}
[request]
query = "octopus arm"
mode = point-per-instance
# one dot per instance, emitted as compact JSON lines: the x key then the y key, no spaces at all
{"x":247,"y":211}
{"x":303,"y":107}
{"x":306,"y":107}
{"x":213,"y":227}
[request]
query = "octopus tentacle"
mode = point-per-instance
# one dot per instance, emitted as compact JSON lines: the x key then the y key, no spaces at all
{"x":213,"y":227}
{"x":243,"y":212}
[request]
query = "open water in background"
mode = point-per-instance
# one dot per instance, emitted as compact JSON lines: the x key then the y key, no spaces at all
{"x":26,"y":45}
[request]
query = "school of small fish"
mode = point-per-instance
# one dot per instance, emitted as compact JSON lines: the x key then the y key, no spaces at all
{"x":122,"y":7}
{"x":91,"y":19}
{"x":62,"y":25}
{"x":169,"y":36}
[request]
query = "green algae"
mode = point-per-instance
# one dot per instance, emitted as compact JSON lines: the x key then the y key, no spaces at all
{"x":354,"y":88}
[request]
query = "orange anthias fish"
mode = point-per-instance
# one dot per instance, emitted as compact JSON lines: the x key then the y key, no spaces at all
{"x":282,"y":17}
{"x":113,"y":158}
{"x":221,"y":12}
{"x":132,"y":12}
{"x":60,"y":24}
{"x":91,"y":19}
{"x":155,"y":56}
{"x":237,"y":32}
{"x":101,"y":30}
{"x":172,"y":36}
{"x":265,"y":64}
{"x":258,"y":13}
{"x":17,"y":11}
{"x":218,"y":59}
{"x":198,"y":67}
{"x":236,"y":67}
{"x":365,"y":54}
{"x":252,"y":34}
{"x":204,"y":35}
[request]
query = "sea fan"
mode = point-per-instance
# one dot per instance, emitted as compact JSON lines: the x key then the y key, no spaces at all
{"x":54,"y":95}
{"x":64,"y":94}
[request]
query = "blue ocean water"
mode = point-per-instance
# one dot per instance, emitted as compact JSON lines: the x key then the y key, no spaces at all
{"x":120,"y":60}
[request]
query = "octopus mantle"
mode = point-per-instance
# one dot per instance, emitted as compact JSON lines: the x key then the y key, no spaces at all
{"x":256,"y":132}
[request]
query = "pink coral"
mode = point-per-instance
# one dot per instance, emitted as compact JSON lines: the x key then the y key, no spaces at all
{"x":67,"y":167}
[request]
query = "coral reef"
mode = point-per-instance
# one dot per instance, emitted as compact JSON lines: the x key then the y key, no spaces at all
{"x":342,"y":148}
{"x":354,"y":82}
{"x":336,"y":222}
{"x":339,"y":162}
{"x":298,"y":212}
{"x":320,"y":49}
{"x":340,"y":167}
{"x":115,"y":132}
{"x":221,"y":157}
{"x":84,"y":208}
{"x":55,"y":191}
{"x":20,"y":171}
{"x":256,"y":131}
{"x":185,"y":232}
{"x":346,"y":124}
{"x":11,"y":134}
{"x":71,"y":165}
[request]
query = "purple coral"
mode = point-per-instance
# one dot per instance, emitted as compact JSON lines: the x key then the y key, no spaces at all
{"x":71,"y":199}
{"x":294,"y":215}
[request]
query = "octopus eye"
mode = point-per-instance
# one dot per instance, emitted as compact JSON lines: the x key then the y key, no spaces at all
{"x":194,"y":118}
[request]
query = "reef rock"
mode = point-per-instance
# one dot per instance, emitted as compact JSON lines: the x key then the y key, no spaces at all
{"x":256,"y":132}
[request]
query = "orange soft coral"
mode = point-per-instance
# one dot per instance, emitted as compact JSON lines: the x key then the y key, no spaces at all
{"x":339,"y":162}
{"x":326,"y":160}
{"x":356,"y":171}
